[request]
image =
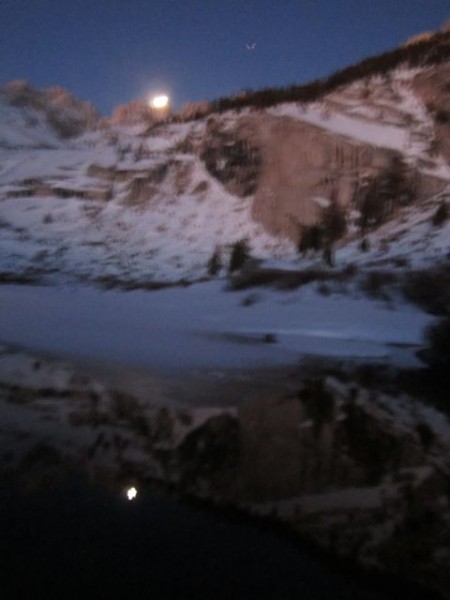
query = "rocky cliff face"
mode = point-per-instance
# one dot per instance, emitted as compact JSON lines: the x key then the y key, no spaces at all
{"x":433,"y":88}
{"x":231,"y":155}
{"x":264,"y":174}
{"x":295,"y":160}
{"x":304,"y":167}
{"x":292,"y":168}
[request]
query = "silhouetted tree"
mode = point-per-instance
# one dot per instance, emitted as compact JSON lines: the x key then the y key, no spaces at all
{"x":441,"y":214}
{"x":395,"y":186}
{"x":311,"y":238}
{"x":334,"y":223}
{"x":215,"y":263}
{"x":364,"y":245}
{"x":438,"y":337}
{"x":240,"y":253}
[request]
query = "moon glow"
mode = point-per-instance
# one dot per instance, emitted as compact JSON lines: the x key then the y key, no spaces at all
{"x":131,"y":493}
{"x":159,"y":102}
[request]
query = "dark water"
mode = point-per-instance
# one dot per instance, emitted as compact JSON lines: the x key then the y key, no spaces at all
{"x":71,"y":540}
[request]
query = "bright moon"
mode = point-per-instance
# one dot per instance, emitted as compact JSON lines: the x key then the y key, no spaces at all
{"x":159,"y":102}
{"x":131,"y":493}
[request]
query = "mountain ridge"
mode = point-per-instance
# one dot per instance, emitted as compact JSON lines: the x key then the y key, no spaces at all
{"x":150,"y":204}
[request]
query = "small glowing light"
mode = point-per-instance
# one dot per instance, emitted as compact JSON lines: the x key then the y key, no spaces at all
{"x":131,"y":493}
{"x":159,"y":102}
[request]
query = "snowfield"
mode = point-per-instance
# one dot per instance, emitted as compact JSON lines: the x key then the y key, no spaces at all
{"x":203,"y":326}
{"x":390,"y":117}
{"x":72,"y":211}
{"x":169,"y":238}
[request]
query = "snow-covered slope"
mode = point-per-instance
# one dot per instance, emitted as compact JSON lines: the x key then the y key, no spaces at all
{"x":32,"y":117}
{"x":381,"y":111}
{"x":128,"y":205}
{"x":22,"y":127}
{"x":58,"y":213}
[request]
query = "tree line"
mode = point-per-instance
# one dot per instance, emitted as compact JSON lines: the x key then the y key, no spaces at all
{"x":432,"y":51}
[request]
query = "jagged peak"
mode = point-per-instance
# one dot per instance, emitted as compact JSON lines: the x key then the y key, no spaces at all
{"x":67,"y":115}
{"x":135,"y":112}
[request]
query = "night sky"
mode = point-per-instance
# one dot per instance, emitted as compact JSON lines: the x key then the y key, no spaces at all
{"x":112,"y":51}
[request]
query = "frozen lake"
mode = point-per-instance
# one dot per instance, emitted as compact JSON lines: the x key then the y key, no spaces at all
{"x":203,"y":326}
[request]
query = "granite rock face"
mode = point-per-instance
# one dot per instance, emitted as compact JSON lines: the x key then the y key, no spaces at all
{"x":303,"y":167}
{"x":294,"y":167}
{"x":290,"y":167}
{"x":432,"y":86}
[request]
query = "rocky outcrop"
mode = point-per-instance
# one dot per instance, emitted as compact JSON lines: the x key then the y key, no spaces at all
{"x":303,"y":167}
{"x":433,"y":88}
{"x":231,"y":156}
{"x":291,"y":168}
{"x":140,"y":192}
{"x":39,"y":189}
{"x":68,"y":116}
{"x":294,"y":168}
{"x":134,"y":113}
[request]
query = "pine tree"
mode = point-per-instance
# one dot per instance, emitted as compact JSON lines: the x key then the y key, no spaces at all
{"x":441,"y":214}
{"x":311,"y":238}
{"x":239,"y":255}
{"x":334,"y":223}
{"x":214,"y":263}
{"x":394,"y":186}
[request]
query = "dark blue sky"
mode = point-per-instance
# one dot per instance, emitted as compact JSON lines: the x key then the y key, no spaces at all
{"x":114,"y":51}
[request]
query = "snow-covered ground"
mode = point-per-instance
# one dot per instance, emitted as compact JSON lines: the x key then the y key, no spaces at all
{"x":54,"y":224}
{"x":203,"y":326}
{"x":170,"y":237}
{"x":383,"y":114}
{"x":24,"y":128}
{"x":54,"y":227}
